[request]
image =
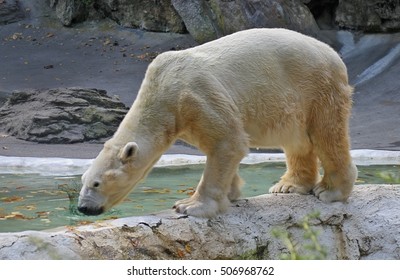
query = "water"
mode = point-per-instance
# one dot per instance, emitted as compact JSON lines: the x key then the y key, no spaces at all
{"x":35,"y":202}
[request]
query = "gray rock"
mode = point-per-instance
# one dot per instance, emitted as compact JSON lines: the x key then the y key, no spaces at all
{"x":3,"y":97}
{"x":199,"y":19}
{"x":70,"y":11}
{"x":369,"y":15}
{"x":66,"y":115}
{"x":144,"y":14}
{"x":206,"y":20}
{"x":10,"y":11}
{"x":238,"y":15}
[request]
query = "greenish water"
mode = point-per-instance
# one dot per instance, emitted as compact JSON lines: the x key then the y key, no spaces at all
{"x":34,"y":202}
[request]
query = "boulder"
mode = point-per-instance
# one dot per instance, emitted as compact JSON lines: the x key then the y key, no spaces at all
{"x":70,"y":11}
{"x":199,"y":19}
{"x":149,"y":15}
{"x":207,"y":20}
{"x":144,"y":14}
{"x":64,"y":115}
{"x":10,"y":11}
{"x":369,"y":15}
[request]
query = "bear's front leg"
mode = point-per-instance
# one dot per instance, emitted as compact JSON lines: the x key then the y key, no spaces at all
{"x":203,"y":203}
{"x":218,"y":185}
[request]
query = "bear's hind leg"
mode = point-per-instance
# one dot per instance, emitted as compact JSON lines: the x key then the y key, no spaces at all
{"x":340,"y":173}
{"x":302,"y":172}
{"x":332,"y":146}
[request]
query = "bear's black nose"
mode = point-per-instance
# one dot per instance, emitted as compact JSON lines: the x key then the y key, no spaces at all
{"x":90,"y":211}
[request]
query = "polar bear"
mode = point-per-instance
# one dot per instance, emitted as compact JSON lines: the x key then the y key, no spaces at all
{"x":254,"y":88}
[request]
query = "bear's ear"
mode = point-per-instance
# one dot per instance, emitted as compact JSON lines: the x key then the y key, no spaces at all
{"x":128,"y":152}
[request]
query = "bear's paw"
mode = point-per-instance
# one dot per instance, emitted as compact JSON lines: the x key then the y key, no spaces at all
{"x":203,"y":207}
{"x":326,"y":194}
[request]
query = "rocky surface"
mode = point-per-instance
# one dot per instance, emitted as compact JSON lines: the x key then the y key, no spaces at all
{"x":10,"y":11}
{"x":370,"y":15}
{"x":210,"y":19}
{"x":145,"y":14}
{"x":64,"y":115}
{"x":199,"y":20}
{"x":367,"y":227}
{"x":70,"y":11}
{"x":207,"y":20}
{"x":149,"y":15}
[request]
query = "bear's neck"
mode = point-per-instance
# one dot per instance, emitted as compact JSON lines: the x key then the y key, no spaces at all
{"x":152,"y":134}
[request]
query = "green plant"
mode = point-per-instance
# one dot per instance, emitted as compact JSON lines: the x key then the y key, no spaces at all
{"x":310,"y":249}
{"x":73,"y":193}
{"x":390,"y":177}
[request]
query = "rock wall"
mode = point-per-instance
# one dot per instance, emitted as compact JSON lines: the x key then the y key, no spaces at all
{"x":207,"y":20}
{"x":367,"y":227}
{"x":370,"y":15}
{"x":210,"y":19}
{"x":151,"y":15}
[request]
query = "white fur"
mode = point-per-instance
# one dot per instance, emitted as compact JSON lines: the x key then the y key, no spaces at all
{"x":254,"y":88}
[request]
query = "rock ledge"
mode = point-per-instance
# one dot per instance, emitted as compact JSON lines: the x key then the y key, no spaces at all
{"x":367,"y":227}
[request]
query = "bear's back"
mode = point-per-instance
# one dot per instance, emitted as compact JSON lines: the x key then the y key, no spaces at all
{"x":275,"y":45}
{"x":257,"y":65}
{"x":274,"y":52}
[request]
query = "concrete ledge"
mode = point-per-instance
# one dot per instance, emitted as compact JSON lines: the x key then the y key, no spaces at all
{"x":70,"y":166}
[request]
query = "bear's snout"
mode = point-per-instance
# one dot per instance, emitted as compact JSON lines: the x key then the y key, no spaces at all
{"x":90,"y":211}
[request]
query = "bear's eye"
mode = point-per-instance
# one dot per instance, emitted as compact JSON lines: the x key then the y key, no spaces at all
{"x":96,"y":184}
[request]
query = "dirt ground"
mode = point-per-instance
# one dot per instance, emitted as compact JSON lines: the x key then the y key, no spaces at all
{"x":42,"y":54}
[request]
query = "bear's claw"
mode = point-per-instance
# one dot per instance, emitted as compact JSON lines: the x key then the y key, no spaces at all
{"x":286,"y":187}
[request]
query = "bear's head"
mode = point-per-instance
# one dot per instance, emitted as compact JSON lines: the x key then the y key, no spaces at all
{"x":110,"y":178}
